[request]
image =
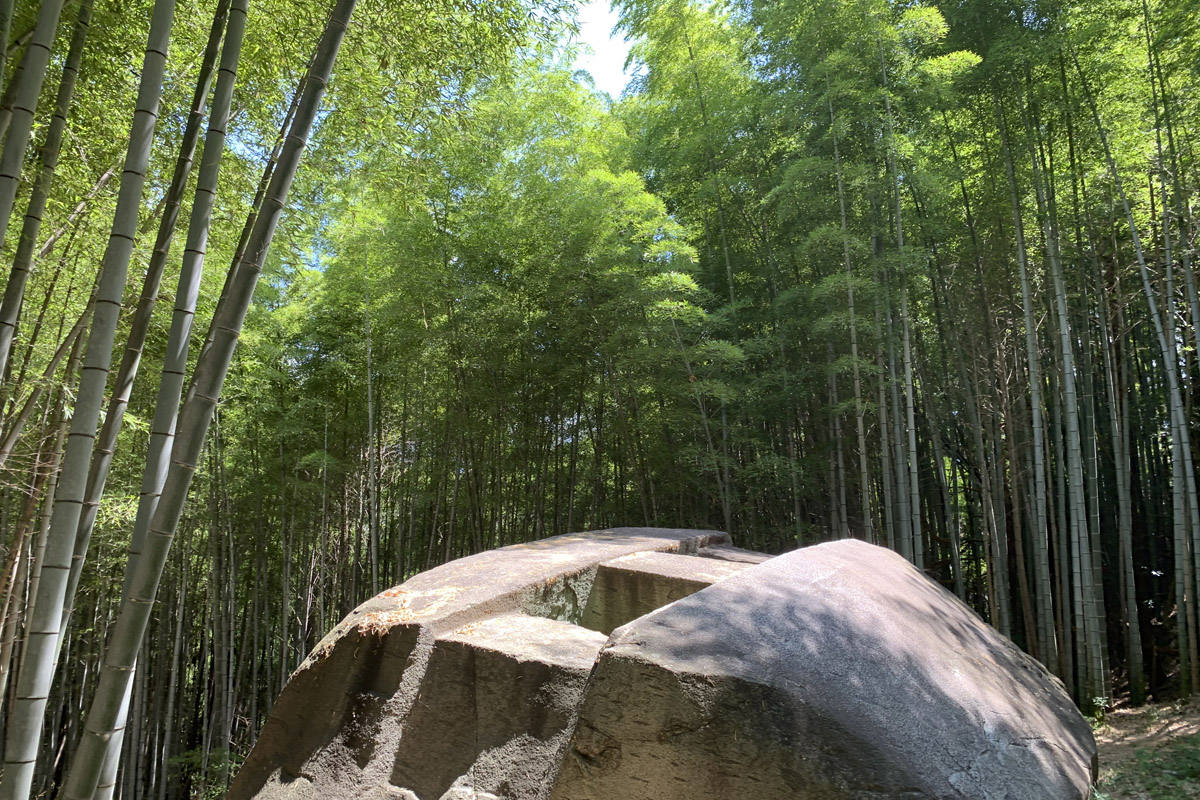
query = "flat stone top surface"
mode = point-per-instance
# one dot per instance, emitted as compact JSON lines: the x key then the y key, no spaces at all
{"x":485,"y":581}
{"x":338,"y":723}
{"x":727,"y":552}
{"x":526,"y":638}
{"x":671,"y":565}
{"x":856,"y":635}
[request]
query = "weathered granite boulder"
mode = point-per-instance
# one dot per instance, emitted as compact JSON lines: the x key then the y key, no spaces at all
{"x":462,"y":680}
{"x":836,"y":671}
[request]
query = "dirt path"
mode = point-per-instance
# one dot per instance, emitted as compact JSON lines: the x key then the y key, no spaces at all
{"x":1150,"y":753}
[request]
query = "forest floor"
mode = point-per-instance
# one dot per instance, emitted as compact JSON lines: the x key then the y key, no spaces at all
{"x":1150,"y":753}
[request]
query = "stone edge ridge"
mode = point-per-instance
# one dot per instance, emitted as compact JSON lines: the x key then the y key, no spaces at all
{"x":377,"y":654}
{"x":636,"y":644}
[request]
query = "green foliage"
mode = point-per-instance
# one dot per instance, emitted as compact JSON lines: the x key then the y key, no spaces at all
{"x":199,"y":770}
{"x":583,"y":313}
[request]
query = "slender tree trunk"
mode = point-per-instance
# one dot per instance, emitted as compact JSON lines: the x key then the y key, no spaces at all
{"x":918,"y":538}
{"x":10,"y":89}
{"x":904,"y":533}
{"x":372,"y":481}
{"x":916,"y":547}
{"x":1079,"y":533}
{"x":1040,"y":522}
{"x":28,"y":88}
{"x":39,"y":550}
{"x":173,"y":687}
{"x":1118,"y":405}
{"x":714,"y":174}
{"x":1192,"y":567}
{"x":38,"y":672}
{"x":1186,"y":507}
{"x":939,"y":458}
{"x":166,"y":408}
{"x":885,"y":457}
{"x":6,"y":14}
{"x":859,"y":410}
{"x":106,"y":443}
{"x":1028,"y":616}
{"x":1058,"y":537}
{"x":69,"y":223}
{"x":18,"y":562}
{"x":35,"y":394}
{"x":841,"y":528}
{"x":195,"y":417}
{"x":14,"y":291}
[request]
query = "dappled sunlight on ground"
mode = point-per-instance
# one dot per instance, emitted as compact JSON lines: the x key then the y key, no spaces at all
{"x":1140,"y":748}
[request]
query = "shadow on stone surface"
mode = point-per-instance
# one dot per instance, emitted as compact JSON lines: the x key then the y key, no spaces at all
{"x":833,"y":672}
{"x":837,"y":671}
{"x":336,"y":729}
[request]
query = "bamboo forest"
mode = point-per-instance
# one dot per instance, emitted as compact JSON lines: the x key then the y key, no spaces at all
{"x":304,"y":298}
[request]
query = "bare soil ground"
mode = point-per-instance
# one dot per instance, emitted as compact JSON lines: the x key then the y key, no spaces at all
{"x":1150,"y":753}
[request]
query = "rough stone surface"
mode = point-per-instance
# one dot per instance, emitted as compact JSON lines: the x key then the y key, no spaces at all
{"x":487,"y":684}
{"x":336,"y":729}
{"x":837,"y":672}
{"x":466,"y":793}
{"x":727,"y":552}
{"x":634,"y":585}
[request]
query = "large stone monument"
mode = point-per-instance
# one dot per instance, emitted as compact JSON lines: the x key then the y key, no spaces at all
{"x":652,"y":664}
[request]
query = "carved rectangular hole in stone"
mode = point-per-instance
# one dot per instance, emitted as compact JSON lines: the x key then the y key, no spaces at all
{"x":562,"y":599}
{"x":616,"y":592}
